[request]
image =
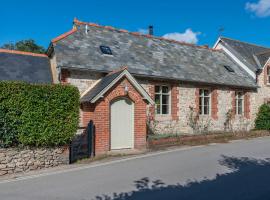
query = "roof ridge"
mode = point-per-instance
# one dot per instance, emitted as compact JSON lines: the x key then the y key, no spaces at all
{"x":22,"y":53}
{"x":64,"y":35}
{"x":245,"y":42}
{"x":118,"y":70}
{"x":263,"y":52}
{"x":76,"y":21}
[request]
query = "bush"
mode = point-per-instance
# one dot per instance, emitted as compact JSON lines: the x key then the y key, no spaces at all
{"x":263,"y":118}
{"x":37,"y":115}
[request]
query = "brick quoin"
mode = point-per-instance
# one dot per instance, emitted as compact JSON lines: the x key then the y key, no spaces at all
{"x":175,"y":102}
{"x":214,"y":104}
{"x":233,"y":104}
{"x":100,"y":114}
{"x":247,"y":105}
{"x":197,"y":100}
{"x":152,"y":95}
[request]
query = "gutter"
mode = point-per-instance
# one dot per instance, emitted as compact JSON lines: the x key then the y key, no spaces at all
{"x":165,"y":78}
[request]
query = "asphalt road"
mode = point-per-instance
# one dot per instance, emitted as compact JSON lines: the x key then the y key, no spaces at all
{"x":238,"y":170}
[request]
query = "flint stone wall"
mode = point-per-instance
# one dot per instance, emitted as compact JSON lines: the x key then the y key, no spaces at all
{"x":15,"y":160}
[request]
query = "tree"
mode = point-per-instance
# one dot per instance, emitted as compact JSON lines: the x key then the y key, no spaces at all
{"x":262,"y":121}
{"x":10,"y":46}
{"x":25,"y":45}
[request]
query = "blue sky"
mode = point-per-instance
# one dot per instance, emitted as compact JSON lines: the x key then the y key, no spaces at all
{"x":194,"y":21}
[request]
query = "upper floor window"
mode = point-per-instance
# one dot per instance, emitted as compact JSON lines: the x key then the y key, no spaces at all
{"x":204,"y":102}
{"x":239,"y":103}
{"x":162,"y":100}
{"x":105,"y":50}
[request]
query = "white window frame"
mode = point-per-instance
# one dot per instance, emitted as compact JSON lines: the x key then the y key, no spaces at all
{"x":236,"y":102}
{"x":201,"y":108}
{"x":160,"y":99}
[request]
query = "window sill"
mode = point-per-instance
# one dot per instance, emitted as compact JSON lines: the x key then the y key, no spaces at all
{"x":201,"y":115}
{"x":160,"y":117}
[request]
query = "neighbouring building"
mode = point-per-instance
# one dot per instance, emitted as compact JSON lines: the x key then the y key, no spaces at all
{"x":24,"y":66}
{"x":132,"y":84}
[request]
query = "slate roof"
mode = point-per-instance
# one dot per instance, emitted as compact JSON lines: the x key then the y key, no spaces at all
{"x":22,"y":66}
{"x":254,"y":56}
{"x":147,"y":56}
{"x":103,"y":83}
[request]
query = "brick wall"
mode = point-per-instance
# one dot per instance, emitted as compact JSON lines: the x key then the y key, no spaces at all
{"x":214,"y":104}
{"x":100,"y":114}
{"x":175,"y":102}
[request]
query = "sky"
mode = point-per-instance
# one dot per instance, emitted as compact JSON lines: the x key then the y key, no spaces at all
{"x":194,"y":21}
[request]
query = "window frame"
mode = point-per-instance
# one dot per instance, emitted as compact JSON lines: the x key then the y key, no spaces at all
{"x":160,"y":93}
{"x":106,"y":50}
{"x":242,"y":104}
{"x":201,"y":110}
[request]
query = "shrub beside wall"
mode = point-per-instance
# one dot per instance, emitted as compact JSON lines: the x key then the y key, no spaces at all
{"x":263,"y":118}
{"x":37,"y":115}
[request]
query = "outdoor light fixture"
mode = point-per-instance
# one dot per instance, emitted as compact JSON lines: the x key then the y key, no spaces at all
{"x":126,"y":89}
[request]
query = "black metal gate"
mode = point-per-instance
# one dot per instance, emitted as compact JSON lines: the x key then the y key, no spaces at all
{"x":91,"y":135}
{"x":82,"y":146}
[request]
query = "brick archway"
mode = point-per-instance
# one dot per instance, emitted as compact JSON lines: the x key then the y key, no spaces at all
{"x":100,"y":114}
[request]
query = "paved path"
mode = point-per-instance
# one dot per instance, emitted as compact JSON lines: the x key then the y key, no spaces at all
{"x":238,"y":170}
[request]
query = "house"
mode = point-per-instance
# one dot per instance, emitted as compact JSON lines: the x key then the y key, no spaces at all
{"x":253,"y":59}
{"x":132,"y":84}
{"x":24,"y":66}
{"x":129,"y":81}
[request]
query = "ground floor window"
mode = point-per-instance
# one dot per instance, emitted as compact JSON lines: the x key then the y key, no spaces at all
{"x":204,"y":102}
{"x":162,"y":100}
{"x":239,"y":103}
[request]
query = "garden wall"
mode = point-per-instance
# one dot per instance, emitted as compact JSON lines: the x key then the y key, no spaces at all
{"x":15,"y":160}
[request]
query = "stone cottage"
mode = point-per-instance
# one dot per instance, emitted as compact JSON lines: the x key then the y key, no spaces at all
{"x":132,"y":83}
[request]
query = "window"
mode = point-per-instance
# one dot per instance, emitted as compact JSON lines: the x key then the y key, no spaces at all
{"x":106,"y":50}
{"x":204,"y":102}
{"x":162,"y":100}
{"x":228,"y":68}
{"x":239,"y":103}
{"x":268,"y":75}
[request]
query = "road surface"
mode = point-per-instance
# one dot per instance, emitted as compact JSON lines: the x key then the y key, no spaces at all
{"x":237,"y":170}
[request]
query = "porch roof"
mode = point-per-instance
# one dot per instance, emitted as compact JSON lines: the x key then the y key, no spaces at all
{"x":109,"y":81}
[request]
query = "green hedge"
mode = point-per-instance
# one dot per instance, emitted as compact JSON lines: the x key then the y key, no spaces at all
{"x":37,"y":115}
{"x":263,"y":118}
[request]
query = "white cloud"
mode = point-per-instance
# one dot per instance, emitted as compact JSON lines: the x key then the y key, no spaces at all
{"x":261,"y":8}
{"x":188,"y":36}
{"x":143,"y":31}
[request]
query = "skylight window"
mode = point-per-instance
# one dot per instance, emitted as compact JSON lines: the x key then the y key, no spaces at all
{"x":229,"y":69}
{"x":105,"y":50}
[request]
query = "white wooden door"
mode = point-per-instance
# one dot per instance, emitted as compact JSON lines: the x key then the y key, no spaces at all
{"x":122,"y":124}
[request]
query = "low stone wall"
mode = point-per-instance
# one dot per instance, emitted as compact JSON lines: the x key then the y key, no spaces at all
{"x":15,"y":160}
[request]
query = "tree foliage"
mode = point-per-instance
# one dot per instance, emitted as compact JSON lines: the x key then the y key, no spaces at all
{"x":263,"y":118}
{"x":25,"y":45}
{"x":37,"y":115}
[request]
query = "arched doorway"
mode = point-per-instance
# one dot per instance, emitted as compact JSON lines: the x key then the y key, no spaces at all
{"x":122,"y":124}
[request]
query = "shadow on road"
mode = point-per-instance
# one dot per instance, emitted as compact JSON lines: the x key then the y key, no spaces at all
{"x":249,"y":180}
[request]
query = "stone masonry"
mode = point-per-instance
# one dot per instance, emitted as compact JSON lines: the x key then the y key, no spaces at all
{"x":15,"y":160}
{"x":178,"y":120}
